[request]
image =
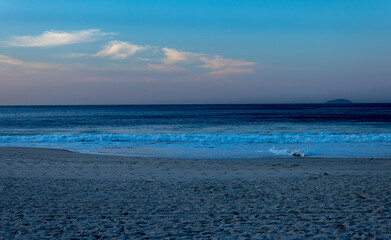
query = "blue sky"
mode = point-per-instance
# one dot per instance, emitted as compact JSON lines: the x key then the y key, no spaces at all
{"x":139,"y":52}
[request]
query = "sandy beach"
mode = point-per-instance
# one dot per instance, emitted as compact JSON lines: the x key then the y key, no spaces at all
{"x":57,"y":194}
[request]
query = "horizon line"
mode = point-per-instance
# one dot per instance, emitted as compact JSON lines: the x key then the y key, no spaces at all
{"x":162,"y":104}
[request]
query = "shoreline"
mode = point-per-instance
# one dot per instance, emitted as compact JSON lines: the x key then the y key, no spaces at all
{"x":40,"y":162}
{"x":212,"y":159}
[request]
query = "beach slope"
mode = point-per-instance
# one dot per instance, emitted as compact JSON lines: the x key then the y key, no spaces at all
{"x":48,"y":193}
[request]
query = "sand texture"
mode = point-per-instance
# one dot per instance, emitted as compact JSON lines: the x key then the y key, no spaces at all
{"x":56,"y":194}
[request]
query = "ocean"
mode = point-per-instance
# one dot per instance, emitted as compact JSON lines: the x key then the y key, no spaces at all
{"x":204,"y":131}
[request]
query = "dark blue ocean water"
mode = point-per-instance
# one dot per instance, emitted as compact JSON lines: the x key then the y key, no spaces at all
{"x":204,"y":131}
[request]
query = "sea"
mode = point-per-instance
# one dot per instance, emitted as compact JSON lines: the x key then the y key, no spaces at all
{"x":239,"y":131}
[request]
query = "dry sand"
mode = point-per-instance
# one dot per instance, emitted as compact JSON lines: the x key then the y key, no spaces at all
{"x":57,"y":194}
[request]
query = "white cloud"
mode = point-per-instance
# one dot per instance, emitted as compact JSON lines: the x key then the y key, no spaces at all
{"x":29,"y":65}
{"x":224,"y":66}
{"x":56,"y":38}
{"x":119,"y":50}
{"x":172,"y":60}
{"x":219,"y":66}
{"x":175,"y":56}
{"x":219,"y":63}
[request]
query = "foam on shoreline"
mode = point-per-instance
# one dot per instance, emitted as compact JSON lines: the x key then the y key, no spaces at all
{"x":216,"y":145}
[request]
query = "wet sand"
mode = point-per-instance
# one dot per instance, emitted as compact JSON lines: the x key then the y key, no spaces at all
{"x":48,"y":193}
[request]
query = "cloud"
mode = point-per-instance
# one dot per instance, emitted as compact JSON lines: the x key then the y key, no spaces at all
{"x":56,"y":38}
{"x":158,"y":59}
{"x":219,"y":63}
{"x":76,"y":55}
{"x":29,"y":65}
{"x":224,"y":66}
{"x":230,"y":70}
{"x":163,"y":67}
{"x":175,"y":56}
{"x":172,"y":57}
{"x":119,"y":50}
{"x":219,"y":66}
{"x":144,"y":59}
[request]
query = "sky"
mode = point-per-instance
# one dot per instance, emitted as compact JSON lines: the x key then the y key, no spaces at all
{"x":194,"y":52}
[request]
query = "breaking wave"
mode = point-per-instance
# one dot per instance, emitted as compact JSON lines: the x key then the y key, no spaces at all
{"x":288,"y":152}
{"x":218,"y":138}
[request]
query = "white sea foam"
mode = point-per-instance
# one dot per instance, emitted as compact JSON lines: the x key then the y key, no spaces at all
{"x":288,"y":152}
{"x":219,"y":145}
{"x":222,"y":138}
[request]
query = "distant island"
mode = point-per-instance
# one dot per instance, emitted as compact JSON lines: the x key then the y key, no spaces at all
{"x":340,"y":100}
